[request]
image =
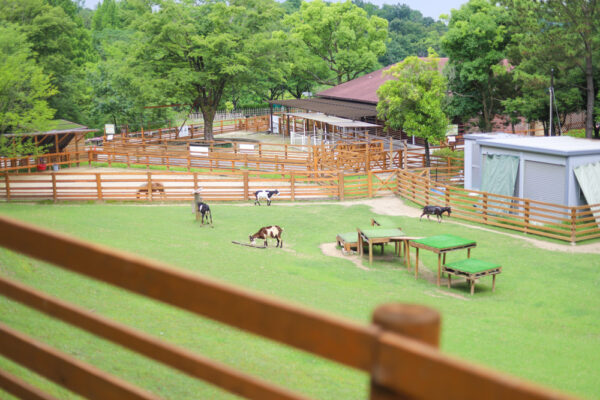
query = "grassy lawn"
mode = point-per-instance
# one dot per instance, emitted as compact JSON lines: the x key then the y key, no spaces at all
{"x":542,"y":322}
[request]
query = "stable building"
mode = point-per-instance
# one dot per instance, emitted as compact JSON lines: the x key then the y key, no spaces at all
{"x":552,"y":169}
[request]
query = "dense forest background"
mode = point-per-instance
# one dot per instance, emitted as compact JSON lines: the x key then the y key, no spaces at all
{"x":59,"y":60}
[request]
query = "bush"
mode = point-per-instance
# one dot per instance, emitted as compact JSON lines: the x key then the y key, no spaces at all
{"x":448,"y":152}
{"x":578,"y":133}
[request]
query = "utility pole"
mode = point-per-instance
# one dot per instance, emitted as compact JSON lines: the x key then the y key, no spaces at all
{"x":551,"y":97}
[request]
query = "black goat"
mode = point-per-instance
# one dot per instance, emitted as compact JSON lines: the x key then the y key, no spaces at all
{"x":204,"y":210}
{"x":435,"y":210}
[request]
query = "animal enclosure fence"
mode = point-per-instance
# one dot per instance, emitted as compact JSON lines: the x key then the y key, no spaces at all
{"x":179,"y":186}
{"x":571,"y":224}
{"x":398,"y":349}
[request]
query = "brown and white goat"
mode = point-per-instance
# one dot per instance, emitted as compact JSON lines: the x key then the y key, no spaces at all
{"x":155,"y":187}
{"x":265,"y":232}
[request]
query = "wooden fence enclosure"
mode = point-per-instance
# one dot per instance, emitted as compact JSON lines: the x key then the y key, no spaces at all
{"x":398,"y":350}
{"x":571,"y":224}
{"x":179,"y":186}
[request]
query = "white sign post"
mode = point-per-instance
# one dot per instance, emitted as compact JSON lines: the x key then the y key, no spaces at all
{"x":109,"y":131}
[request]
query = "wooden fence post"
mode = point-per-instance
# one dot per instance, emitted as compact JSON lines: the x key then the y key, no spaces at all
{"x":414,"y":321}
{"x":7,"y":185}
{"x":54,"y":196}
{"x":404,"y":155}
{"x":527,"y":210}
{"x":246,"y":185}
{"x":149,"y":185}
{"x":573,"y":225}
{"x":370,"y":183}
{"x":427,"y":188}
{"x":99,"y":186}
{"x":341,"y":185}
{"x":485,"y":206}
{"x":293,"y":186}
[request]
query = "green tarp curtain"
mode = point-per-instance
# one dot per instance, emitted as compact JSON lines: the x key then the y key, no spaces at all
{"x":588,"y":176}
{"x":499,"y":174}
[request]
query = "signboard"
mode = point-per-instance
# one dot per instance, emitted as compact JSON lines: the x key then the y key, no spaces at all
{"x":275,"y":122}
{"x":201,"y":151}
{"x":452,"y":130}
{"x":109,"y":137}
{"x":109,"y":129}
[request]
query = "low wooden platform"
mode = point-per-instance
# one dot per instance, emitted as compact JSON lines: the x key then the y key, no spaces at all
{"x":347,"y":241}
{"x":472,"y":269}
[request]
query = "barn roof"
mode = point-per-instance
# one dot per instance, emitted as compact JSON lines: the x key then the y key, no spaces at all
{"x":364,"y":88}
{"x":339,"y":108}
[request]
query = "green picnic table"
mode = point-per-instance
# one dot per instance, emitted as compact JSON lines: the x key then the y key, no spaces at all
{"x":379,"y":235}
{"x":441,"y":244}
{"x":472,"y":269}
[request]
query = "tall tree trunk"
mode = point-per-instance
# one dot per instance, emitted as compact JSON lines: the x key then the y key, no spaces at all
{"x":427,"y":157}
{"x":208,"y":113}
{"x":589,"y":77}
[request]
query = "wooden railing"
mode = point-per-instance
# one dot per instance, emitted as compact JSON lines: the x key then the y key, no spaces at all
{"x":179,"y":186}
{"x":237,"y":155}
{"x":571,"y":224}
{"x":30,"y":163}
{"x":398,"y":349}
{"x":194,"y":131}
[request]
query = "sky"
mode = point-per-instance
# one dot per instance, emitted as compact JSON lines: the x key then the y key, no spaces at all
{"x":429,"y":8}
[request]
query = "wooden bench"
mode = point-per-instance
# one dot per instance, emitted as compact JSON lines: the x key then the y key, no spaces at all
{"x":472,"y":269}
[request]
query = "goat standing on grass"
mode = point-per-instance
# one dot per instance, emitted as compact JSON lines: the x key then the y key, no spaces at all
{"x":265,"y":232}
{"x":435,"y":210}
{"x":265,"y":194}
{"x":155,"y":187}
{"x":204,"y":210}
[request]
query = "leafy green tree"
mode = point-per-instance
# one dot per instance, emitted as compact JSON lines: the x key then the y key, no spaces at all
{"x":476,"y":44}
{"x":60,"y":45}
{"x":413,"y":101}
{"x":24,"y":88}
{"x":563,"y":35}
{"x":410,"y":34}
{"x":345,"y":40}
{"x":196,"y":50}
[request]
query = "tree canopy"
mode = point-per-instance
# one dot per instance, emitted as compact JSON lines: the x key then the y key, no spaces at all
{"x":413,"y":100}
{"x":24,"y":88}
{"x":479,"y":78}
{"x":106,"y":65}
{"x":341,"y":36}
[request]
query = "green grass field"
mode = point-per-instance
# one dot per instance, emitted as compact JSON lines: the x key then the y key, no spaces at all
{"x":542,"y":322}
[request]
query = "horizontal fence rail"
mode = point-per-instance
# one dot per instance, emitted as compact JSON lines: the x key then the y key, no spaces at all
{"x":571,"y":224}
{"x":400,"y":366}
{"x":180,"y":186}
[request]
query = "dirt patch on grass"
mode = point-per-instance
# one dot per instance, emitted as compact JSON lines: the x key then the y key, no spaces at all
{"x":331,"y":249}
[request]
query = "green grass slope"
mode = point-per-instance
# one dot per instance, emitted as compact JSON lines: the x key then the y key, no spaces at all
{"x":542,"y":322}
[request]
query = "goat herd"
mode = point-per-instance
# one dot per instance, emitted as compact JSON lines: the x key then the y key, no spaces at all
{"x":275,"y":231}
{"x":271,"y":231}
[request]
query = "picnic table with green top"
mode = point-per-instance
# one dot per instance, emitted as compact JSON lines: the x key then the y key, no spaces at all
{"x":379,"y":235}
{"x":441,"y":244}
{"x":472,"y":269}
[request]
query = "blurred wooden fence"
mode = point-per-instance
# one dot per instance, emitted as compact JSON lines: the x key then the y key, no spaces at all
{"x":398,"y":350}
{"x":571,"y":224}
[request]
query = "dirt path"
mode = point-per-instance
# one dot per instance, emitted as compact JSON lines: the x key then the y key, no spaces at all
{"x":394,"y":206}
